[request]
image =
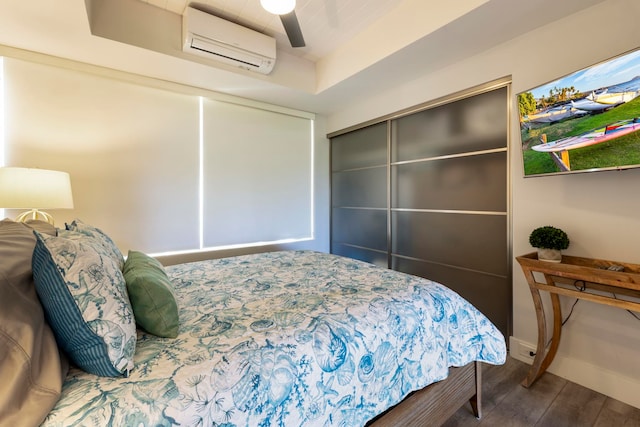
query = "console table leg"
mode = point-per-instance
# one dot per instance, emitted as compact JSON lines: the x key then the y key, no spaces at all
{"x":544,"y":357}
{"x":557,"y":332}
{"x":536,"y":368}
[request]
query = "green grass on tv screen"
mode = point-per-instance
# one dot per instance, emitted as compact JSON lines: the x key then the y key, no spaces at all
{"x":621,"y":151}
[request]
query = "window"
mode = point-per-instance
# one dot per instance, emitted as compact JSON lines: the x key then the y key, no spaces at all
{"x":162,"y":170}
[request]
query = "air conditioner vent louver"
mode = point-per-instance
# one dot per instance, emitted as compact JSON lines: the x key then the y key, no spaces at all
{"x":214,"y":38}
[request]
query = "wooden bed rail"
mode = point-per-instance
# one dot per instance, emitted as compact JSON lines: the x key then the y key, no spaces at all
{"x":435,"y":404}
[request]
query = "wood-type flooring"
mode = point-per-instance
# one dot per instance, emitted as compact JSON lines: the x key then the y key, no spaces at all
{"x":551,"y":402}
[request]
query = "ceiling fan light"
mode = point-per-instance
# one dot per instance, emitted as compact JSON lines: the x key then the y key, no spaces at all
{"x":278,"y":7}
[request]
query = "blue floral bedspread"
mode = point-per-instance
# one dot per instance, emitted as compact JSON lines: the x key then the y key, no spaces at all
{"x":292,"y":338}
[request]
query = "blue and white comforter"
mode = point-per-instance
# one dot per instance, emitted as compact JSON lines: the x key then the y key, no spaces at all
{"x":294,"y":338}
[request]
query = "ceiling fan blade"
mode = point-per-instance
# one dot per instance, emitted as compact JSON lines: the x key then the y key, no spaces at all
{"x":292,"y":28}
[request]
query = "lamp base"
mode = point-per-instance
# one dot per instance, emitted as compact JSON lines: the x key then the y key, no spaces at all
{"x":35,"y":214}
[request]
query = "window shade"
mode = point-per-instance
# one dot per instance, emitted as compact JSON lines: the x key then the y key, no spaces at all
{"x":257,"y":171}
{"x":134,"y":152}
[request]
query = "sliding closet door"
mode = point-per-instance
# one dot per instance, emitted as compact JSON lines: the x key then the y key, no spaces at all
{"x":426,"y":193}
{"x":359,"y":175}
{"x":449,"y":199}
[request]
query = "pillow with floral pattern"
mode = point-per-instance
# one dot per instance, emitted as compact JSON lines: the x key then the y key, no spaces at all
{"x":85,"y":300}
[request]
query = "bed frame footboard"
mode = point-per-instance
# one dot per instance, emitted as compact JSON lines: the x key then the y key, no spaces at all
{"x":435,"y":404}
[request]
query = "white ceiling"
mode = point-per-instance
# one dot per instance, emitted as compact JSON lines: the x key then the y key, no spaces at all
{"x":354,"y":47}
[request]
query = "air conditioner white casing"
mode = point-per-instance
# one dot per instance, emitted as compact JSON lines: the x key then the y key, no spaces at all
{"x":215,"y":38}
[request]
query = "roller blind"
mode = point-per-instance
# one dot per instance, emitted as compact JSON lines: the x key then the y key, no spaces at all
{"x":257,"y":172}
{"x":160,"y":170}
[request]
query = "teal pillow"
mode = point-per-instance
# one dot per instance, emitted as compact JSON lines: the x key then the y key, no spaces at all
{"x":151,"y":294}
{"x":84,"y":296}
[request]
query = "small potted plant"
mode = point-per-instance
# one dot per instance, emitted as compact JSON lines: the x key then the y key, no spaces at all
{"x":549,"y":241}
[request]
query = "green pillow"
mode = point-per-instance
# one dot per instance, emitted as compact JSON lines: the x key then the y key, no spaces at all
{"x":151,"y":295}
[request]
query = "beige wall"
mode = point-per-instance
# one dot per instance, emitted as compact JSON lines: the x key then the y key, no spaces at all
{"x":600,"y":211}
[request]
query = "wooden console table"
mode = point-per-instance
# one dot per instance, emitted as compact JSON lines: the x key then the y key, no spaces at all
{"x":584,"y":278}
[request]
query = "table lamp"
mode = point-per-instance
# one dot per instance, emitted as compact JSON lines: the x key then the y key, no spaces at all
{"x":34,"y":189}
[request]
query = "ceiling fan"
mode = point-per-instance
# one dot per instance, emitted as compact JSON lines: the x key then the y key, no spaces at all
{"x":285,"y":9}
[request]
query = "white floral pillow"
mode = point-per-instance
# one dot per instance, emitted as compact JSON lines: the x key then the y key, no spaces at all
{"x":85,"y":299}
{"x":100,"y":236}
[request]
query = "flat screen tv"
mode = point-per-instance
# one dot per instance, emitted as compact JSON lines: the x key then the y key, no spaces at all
{"x":583,"y":122}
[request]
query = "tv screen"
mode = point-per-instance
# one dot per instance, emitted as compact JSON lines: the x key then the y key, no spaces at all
{"x":583,"y":122}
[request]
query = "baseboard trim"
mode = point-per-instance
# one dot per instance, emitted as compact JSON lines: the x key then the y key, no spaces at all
{"x":609,"y":383}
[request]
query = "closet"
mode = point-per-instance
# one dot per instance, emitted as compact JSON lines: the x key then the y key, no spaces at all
{"x":426,"y":192}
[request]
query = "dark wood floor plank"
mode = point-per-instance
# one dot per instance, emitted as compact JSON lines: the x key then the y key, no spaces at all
{"x":550,"y":402}
{"x":505,"y":402}
{"x":617,"y":414}
{"x":497,"y":382}
{"x":525,"y":406}
{"x":574,"y":406}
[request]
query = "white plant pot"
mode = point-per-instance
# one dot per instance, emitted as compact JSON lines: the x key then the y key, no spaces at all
{"x":550,"y":255}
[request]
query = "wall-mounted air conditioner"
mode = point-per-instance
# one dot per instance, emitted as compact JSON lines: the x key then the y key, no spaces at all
{"x":215,"y":38}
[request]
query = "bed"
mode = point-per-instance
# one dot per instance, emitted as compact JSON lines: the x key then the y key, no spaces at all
{"x":285,"y":338}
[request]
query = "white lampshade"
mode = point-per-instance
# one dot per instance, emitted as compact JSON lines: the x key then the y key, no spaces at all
{"x":278,"y":7}
{"x":25,"y":188}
